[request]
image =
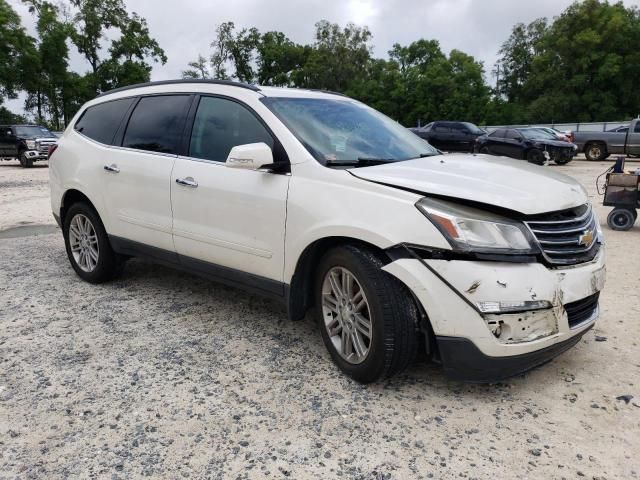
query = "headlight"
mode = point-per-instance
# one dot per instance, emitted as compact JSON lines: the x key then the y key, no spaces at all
{"x":31,"y":144}
{"x":472,"y":230}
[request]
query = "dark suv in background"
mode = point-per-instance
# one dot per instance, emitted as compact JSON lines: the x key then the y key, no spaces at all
{"x":27,"y":143}
{"x":450,"y":136}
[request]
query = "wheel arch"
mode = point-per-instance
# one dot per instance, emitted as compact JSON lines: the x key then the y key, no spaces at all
{"x":71,"y":196}
{"x":300,"y":292}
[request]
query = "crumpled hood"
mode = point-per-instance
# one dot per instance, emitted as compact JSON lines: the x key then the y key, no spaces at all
{"x":503,"y":182}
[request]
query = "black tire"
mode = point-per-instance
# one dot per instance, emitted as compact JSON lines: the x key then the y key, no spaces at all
{"x":485,"y":151}
{"x":595,"y":151}
{"x":535,"y":156}
{"x":621,"y":219}
{"x":109,"y":264}
{"x":393,"y":315}
{"x":24,"y":161}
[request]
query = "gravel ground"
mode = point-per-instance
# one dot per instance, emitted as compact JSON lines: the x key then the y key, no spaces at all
{"x":167,"y":375}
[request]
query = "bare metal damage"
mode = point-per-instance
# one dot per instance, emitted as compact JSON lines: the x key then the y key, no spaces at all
{"x":524,"y":326}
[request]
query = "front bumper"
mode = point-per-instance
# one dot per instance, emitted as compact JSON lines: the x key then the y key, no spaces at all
{"x":463,"y":360}
{"x":36,"y":155}
{"x":449,"y":291}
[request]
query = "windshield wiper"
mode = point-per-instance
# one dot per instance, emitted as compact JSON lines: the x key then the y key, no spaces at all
{"x":360,"y":162}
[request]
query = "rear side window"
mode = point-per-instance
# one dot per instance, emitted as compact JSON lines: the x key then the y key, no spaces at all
{"x":441,"y":127}
{"x":636,"y":128}
{"x":498,"y":133}
{"x":156,"y":124}
{"x":101,"y":122}
{"x":222,"y":124}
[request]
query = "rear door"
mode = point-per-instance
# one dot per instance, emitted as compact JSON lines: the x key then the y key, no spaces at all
{"x":440,"y":136}
{"x":632,"y":146}
{"x":512,"y":145}
{"x":137,"y":173}
{"x":228,"y":217}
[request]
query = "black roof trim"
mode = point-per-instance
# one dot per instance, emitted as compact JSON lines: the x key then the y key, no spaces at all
{"x":326,"y":91}
{"x":230,"y":83}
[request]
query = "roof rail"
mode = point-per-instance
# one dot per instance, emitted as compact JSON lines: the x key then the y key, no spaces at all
{"x":326,"y":91}
{"x":230,"y":83}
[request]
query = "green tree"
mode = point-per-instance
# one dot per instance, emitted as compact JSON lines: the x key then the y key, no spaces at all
{"x":278,"y":58}
{"x":197,"y":69}
{"x":15,"y":45}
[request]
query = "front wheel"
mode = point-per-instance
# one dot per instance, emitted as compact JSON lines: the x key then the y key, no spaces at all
{"x":621,"y":219}
{"x":535,"y":156}
{"x":25,"y":162}
{"x":88,"y":246}
{"x":367,"y":318}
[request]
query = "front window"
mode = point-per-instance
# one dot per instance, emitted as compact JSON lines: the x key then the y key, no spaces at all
{"x":32,"y":132}
{"x":343,"y":131}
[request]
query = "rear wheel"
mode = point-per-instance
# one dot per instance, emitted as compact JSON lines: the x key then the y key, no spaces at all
{"x":367,"y":318}
{"x":595,"y":152}
{"x":535,"y":156}
{"x":621,"y":218}
{"x":88,"y":246}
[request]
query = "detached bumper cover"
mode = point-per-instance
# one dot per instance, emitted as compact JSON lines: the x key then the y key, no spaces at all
{"x":463,"y":361}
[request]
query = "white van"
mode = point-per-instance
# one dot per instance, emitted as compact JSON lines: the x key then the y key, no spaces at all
{"x":490,"y":265}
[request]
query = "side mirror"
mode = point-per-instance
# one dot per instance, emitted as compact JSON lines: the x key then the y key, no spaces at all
{"x":252,"y":156}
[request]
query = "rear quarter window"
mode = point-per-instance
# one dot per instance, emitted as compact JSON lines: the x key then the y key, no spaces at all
{"x":100,"y":122}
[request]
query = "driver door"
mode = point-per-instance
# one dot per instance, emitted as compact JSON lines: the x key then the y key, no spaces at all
{"x":226,"y":217}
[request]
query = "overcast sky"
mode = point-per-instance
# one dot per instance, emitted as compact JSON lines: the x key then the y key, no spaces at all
{"x":185,"y":28}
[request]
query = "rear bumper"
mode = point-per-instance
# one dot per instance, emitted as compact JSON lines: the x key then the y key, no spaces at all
{"x":463,"y":361}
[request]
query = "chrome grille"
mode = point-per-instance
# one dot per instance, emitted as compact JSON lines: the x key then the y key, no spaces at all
{"x":567,"y":237}
{"x":43,"y":144}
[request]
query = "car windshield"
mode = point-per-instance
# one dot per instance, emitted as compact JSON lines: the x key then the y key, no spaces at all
{"x":474,"y":129}
{"x":32,"y":131}
{"x":345,"y":131}
{"x":537,"y":134}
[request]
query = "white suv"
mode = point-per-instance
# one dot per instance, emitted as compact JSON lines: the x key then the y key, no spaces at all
{"x":490,"y":265}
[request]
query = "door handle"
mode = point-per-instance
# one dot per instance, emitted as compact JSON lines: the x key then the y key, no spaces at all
{"x":187,"y":182}
{"x":113,"y":168}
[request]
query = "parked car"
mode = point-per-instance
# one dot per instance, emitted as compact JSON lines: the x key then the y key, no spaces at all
{"x":27,"y":143}
{"x":600,"y":145}
{"x":531,"y":144}
{"x":450,"y":136}
{"x":323,"y":203}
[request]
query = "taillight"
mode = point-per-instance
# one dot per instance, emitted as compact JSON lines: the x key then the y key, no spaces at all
{"x":52,"y":148}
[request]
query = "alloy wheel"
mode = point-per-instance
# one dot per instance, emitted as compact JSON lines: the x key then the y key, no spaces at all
{"x":84,"y":243}
{"x":346,"y":314}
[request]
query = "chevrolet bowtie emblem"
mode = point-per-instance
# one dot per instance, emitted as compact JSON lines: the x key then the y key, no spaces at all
{"x":586,"y":238}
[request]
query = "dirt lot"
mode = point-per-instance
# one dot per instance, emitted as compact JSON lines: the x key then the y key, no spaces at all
{"x":167,"y":375}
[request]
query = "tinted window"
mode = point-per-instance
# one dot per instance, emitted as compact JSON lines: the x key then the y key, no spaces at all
{"x":637,"y":128}
{"x":156,"y":124}
{"x":222,"y":124}
{"x":459,"y":128}
{"x":442,"y":128}
{"x":101,"y":122}
{"x":513,"y":135}
{"x":497,"y":133}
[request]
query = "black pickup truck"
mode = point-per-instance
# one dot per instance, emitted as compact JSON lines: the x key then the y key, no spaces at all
{"x":27,"y":143}
{"x":450,"y":136}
